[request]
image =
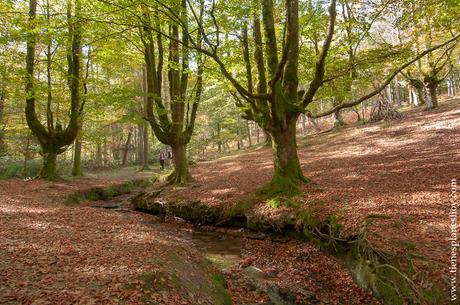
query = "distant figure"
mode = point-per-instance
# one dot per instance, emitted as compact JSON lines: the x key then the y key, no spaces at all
{"x":162,"y":159}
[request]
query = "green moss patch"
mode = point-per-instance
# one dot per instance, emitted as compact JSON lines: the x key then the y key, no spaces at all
{"x":105,"y":193}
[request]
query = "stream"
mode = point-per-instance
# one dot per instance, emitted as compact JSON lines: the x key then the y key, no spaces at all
{"x":223,"y":250}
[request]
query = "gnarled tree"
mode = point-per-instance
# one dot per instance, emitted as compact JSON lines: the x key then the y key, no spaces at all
{"x":277,"y":102}
{"x":53,"y":138}
{"x":173,"y":126}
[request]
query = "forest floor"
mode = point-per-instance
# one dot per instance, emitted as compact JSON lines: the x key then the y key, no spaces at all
{"x":52,"y":253}
{"x":401,"y":169}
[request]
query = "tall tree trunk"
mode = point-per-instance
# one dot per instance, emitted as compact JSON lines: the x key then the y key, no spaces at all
{"x":414,"y":97}
{"x":450,"y":85}
{"x":48,"y":170}
{"x":139,"y":149}
{"x":363,"y":111}
{"x":53,"y":139}
{"x":287,"y":171}
{"x":238,"y":132}
{"x":181,"y":172}
{"x":249,"y":133}
{"x":105,"y":153}
{"x":76,"y":169}
{"x":126,"y":150}
{"x":432,"y":98}
{"x":145,"y":146}
{"x":419,"y":88}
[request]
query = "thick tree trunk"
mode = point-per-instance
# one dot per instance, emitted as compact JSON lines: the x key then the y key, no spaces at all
{"x":48,"y":170}
{"x":181,"y":172}
{"x":52,"y":138}
{"x":267,"y":139}
{"x":432,"y":98}
{"x":126,"y":150}
{"x":287,"y":175}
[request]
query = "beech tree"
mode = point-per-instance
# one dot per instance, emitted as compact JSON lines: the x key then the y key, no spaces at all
{"x":277,"y":102}
{"x":426,"y":27}
{"x":173,"y":126}
{"x":54,"y":138}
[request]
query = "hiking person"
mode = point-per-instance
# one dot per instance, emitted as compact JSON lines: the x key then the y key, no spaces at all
{"x":162,"y":159}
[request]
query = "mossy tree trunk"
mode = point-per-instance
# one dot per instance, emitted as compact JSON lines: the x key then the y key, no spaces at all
{"x":181,"y":168}
{"x":48,"y":170}
{"x":288,"y":173}
{"x":173,"y":126}
{"x":276,"y":102}
{"x":53,"y":139}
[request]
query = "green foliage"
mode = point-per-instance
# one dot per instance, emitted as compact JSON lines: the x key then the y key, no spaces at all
{"x":10,"y":168}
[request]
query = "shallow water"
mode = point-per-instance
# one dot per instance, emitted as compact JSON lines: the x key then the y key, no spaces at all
{"x":223,"y":251}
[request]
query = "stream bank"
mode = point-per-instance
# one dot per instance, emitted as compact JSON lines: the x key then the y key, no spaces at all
{"x":374,"y":270}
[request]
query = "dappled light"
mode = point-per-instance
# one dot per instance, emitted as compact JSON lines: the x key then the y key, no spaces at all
{"x":205,"y":152}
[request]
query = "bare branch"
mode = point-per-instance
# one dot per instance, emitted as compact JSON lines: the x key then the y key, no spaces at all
{"x":387,"y":81}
